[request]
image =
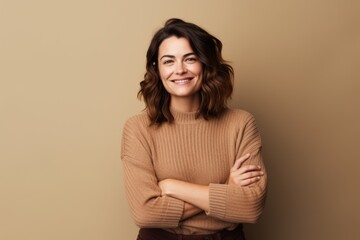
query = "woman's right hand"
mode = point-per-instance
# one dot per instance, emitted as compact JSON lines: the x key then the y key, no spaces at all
{"x":244,"y":175}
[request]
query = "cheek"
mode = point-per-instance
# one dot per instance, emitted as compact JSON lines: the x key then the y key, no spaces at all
{"x":197,"y":69}
{"x":164,"y":73}
{"x":166,"y":86}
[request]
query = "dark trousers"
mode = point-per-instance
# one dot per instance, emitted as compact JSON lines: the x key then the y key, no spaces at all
{"x":159,"y":234}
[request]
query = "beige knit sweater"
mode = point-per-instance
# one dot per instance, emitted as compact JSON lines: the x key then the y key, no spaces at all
{"x":193,"y":150}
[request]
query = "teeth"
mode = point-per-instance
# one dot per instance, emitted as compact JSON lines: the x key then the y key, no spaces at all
{"x":181,"y":81}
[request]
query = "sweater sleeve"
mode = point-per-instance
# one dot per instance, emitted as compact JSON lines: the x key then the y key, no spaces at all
{"x":238,"y":204}
{"x":148,"y":207}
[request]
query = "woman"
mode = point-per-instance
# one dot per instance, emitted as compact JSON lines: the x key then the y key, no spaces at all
{"x":192,"y":166}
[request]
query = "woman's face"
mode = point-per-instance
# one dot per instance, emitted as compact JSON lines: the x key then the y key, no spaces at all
{"x":179,"y":68}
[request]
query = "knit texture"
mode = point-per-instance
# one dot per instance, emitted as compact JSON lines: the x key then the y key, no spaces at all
{"x":193,"y":150}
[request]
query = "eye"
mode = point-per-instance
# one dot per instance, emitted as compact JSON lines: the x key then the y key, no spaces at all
{"x":191,"y":60}
{"x":168,"y":62}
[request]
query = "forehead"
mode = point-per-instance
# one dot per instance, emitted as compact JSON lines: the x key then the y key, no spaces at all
{"x":175,"y":46}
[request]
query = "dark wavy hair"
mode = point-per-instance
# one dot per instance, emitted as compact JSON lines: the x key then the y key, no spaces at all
{"x":217,"y":82}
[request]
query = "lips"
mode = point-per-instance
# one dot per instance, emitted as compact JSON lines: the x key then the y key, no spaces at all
{"x":181,"y":81}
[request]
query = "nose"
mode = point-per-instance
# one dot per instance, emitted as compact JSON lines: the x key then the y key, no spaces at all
{"x":180,"y":68}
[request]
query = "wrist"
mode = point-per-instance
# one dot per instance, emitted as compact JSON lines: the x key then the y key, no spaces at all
{"x":165,"y":186}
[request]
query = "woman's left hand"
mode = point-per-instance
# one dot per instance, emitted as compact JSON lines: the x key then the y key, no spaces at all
{"x":244,"y":175}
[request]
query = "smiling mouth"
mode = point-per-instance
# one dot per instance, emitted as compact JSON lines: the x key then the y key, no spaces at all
{"x":181,"y":80}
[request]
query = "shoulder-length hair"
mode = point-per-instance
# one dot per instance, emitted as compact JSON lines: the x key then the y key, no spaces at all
{"x":217,"y":82}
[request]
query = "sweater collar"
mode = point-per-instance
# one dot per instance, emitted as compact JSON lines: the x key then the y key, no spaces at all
{"x":185,"y":117}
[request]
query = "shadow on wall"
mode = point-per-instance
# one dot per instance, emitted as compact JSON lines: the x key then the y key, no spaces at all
{"x":277,"y":154}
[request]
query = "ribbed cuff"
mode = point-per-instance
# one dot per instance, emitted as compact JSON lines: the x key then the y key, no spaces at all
{"x":174,"y":211}
{"x":217,"y":200}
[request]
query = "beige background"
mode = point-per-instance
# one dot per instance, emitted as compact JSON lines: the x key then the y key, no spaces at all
{"x":70,"y":71}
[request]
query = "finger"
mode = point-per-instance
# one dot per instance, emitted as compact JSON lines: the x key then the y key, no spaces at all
{"x":248,"y":168}
{"x":252,"y":174}
{"x":249,"y":181}
{"x":240,"y":161}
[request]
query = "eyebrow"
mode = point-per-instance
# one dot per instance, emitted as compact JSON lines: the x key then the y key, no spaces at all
{"x":172,"y":56}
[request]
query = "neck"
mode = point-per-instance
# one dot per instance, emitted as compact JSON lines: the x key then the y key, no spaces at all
{"x":185,"y":104}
